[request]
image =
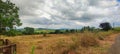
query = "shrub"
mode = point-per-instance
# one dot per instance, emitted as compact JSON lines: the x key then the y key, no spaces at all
{"x":44,"y":34}
{"x":87,"y":41}
{"x":101,"y":37}
{"x":13,"y":33}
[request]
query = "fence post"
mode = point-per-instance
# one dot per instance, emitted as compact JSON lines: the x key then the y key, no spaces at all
{"x":7,"y":48}
{"x":6,"y":41}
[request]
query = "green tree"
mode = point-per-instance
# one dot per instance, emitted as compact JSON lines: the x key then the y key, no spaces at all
{"x":87,"y":28}
{"x":8,"y":15}
{"x":57,"y":31}
{"x":105,"y":26}
{"x":29,"y":30}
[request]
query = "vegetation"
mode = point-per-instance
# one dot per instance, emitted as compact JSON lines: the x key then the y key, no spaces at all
{"x":12,"y":32}
{"x":77,"y":43}
{"x":33,"y":49}
{"x":28,"y":30}
{"x":116,"y":29}
{"x":8,"y":16}
{"x":106,"y":26}
{"x":86,"y":40}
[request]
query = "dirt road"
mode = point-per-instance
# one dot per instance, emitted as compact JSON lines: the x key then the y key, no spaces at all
{"x":115,"y":48}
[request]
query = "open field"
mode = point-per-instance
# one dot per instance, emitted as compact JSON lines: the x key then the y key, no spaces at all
{"x":59,"y":26}
{"x":64,"y":43}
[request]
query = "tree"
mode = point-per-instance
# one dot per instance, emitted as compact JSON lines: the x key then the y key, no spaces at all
{"x":29,"y":30}
{"x":86,"y":28}
{"x":72,"y":30}
{"x":57,"y":31}
{"x":8,"y":15}
{"x":67,"y":31}
{"x":105,"y":26}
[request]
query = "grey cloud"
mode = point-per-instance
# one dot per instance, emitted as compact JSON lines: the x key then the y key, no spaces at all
{"x":94,"y":2}
{"x":63,"y":12}
{"x":27,"y":7}
{"x":45,"y":21}
{"x":70,"y":10}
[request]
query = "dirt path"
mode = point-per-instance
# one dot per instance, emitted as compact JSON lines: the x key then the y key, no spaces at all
{"x":109,"y":40}
{"x":115,"y":48}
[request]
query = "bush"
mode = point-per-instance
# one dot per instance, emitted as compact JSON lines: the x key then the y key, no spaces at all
{"x":44,"y":34}
{"x":101,"y":37}
{"x":87,"y":41}
{"x":13,"y":33}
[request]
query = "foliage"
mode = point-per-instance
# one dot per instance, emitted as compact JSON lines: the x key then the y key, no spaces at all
{"x":57,"y":32}
{"x":33,"y":49}
{"x":72,"y":30}
{"x":105,"y":26}
{"x":13,"y":32}
{"x":88,"y":28}
{"x":8,"y":15}
{"x":28,"y":30}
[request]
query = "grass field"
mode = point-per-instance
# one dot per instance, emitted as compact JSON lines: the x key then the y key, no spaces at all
{"x":71,"y":43}
{"x":44,"y":31}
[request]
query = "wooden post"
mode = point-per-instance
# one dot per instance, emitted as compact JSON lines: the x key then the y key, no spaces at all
{"x":7,"y":48}
{"x":6,"y":41}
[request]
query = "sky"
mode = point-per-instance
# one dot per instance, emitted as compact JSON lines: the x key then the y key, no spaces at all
{"x":57,"y":14}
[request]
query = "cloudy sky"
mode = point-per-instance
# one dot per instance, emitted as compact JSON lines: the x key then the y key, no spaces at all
{"x":68,"y":13}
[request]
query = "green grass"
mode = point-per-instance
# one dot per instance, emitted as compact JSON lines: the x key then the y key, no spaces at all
{"x":117,"y":28}
{"x":33,"y":50}
{"x":44,"y":31}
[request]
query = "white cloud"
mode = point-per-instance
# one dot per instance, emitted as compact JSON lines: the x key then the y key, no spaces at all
{"x":67,"y":13}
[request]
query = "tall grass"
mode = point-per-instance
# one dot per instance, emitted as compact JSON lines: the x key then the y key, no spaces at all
{"x":77,"y":43}
{"x":32,"y":49}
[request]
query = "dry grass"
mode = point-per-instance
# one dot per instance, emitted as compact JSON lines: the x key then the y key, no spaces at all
{"x":87,"y":41}
{"x":62,"y":43}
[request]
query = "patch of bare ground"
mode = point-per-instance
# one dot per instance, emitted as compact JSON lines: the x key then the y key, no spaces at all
{"x":108,"y":42}
{"x":115,"y":48}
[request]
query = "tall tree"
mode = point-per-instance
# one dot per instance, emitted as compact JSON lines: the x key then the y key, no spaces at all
{"x":8,"y":15}
{"x":105,"y":26}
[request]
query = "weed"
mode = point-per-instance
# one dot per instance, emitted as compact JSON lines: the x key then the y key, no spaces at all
{"x":33,"y":49}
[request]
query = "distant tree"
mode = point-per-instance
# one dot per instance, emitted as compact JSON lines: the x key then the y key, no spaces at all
{"x":86,"y":28}
{"x":105,"y":26}
{"x":57,"y":31}
{"x":8,"y":15}
{"x":72,"y":30}
{"x":29,"y":30}
{"x":67,"y":31}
